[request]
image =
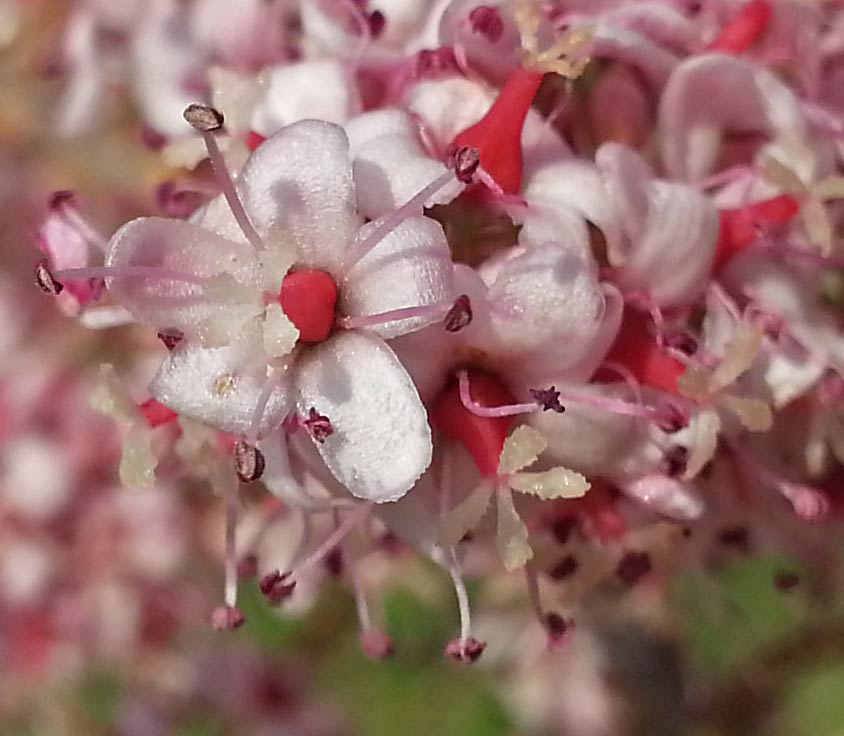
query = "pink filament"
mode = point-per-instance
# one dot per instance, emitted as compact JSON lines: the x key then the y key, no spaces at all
{"x":434,"y":311}
{"x":224,"y":178}
{"x":127,"y":272}
{"x":391,"y":221}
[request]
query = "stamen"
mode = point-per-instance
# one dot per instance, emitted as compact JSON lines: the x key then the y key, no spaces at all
{"x":459,"y":316}
{"x":462,"y":597}
{"x":229,"y":616}
{"x":432,"y":311}
{"x":128,"y":272}
{"x":668,"y":415}
{"x":207,"y":120}
{"x":483,"y":437}
{"x":277,"y":586}
{"x":338,"y":535}
{"x":556,"y":627}
{"x":465,"y":162}
{"x":318,"y":425}
{"x":390,"y":222}
{"x":171,"y":338}
{"x":261,"y":406}
{"x":497,"y":136}
{"x":491,"y":412}
{"x":46,"y":281}
{"x":548,"y":399}
{"x":249,"y":462}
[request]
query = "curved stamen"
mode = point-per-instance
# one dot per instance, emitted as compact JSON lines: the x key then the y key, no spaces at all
{"x":432,"y":311}
{"x":207,"y":120}
{"x":127,"y":272}
{"x":391,"y":221}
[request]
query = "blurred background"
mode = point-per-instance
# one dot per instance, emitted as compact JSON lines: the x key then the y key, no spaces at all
{"x":105,"y":593}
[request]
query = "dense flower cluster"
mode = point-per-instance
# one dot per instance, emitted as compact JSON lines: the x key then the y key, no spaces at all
{"x":476,"y":274}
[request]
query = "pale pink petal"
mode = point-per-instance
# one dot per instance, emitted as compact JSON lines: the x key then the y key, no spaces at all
{"x":710,"y":94}
{"x":166,"y":62}
{"x":298,"y":186}
{"x":379,"y":140}
{"x":415,"y":256}
{"x":671,"y":497}
{"x":177,"y":248}
{"x":81,"y":100}
{"x":447,"y":107}
{"x":545,"y":302}
{"x":220,"y":387}
{"x":381,"y":443}
{"x":627,"y":178}
{"x":65,"y":247}
{"x":672,"y":258}
{"x":574,"y":184}
{"x":316,"y":90}
{"x":612,"y":41}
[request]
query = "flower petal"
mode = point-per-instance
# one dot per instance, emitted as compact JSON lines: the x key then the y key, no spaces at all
{"x":668,"y":496}
{"x":380,"y":140}
{"x":307,"y":90}
{"x":221,"y":387}
{"x":381,"y":443}
{"x":298,"y":185}
{"x":709,"y":94}
{"x":672,"y":258}
{"x":416,"y":256}
{"x":175,"y":247}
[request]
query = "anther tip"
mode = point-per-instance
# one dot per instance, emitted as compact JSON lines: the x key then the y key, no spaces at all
{"x":204,"y":118}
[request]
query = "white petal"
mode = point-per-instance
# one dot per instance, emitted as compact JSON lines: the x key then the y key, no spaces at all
{"x":447,"y":107}
{"x":165,"y":60}
{"x":707,"y":427}
{"x":415,"y":256}
{"x":179,"y":248}
{"x":220,"y":387}
{"x":298,"y":185}
{"x":668,"y":496}
{"x":709,"y":94}
{"x":278,"y":476}
{"x":551,"y":484}
{"x":380,"y":140}
{"x":381,"y":442}
{"x":307,"y":90}
{"x":546,"y":301}
{"x":672,"y":259}
{"x":521,"y":449}
{"x":574,"y":184}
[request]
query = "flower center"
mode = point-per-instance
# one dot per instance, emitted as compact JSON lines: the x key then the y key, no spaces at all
{"x":483,"y":437}
{"x":498,"y":135}
{"x":308,"y":297}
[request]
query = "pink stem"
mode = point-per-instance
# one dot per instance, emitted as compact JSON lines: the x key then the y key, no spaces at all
{"x":336,"y":537}
{"x":371,"y":320}
{"x":391,"y":221}
{"x":489,"y":411}
{"x":221,"y":171}
{"x":130,"y":272}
